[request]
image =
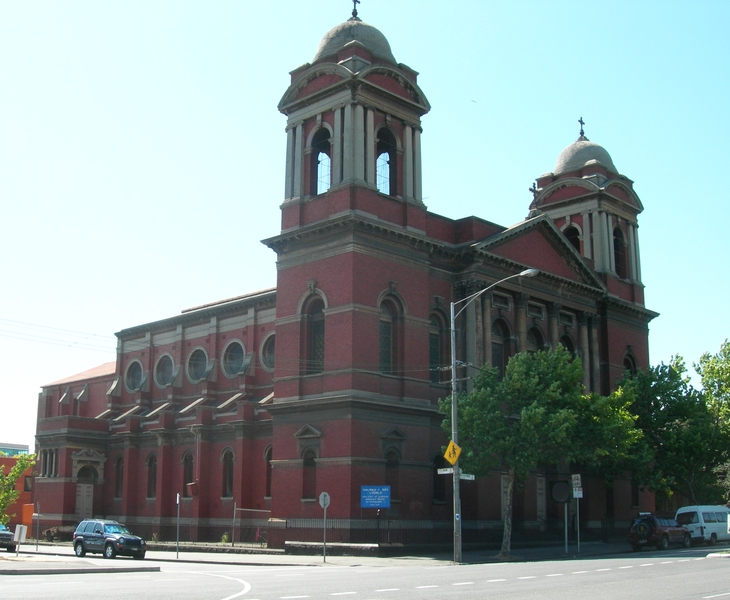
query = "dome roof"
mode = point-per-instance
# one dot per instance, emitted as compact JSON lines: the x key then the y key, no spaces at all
{"x":354,"y":30}
{"x":580,"y":153}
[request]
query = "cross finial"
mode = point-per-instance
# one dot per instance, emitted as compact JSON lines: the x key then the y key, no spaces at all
{"x":582,"y":122}
{"x":354,"y":8}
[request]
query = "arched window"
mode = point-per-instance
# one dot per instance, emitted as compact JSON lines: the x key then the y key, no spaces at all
{"x":268,"y":352}
{"x":321,"y":171}
{"x":389,"y":336}
{"x":619,"y":253}
{"x":440,"y":482}
{"x":500,"y":345}
{"x":118,"y":477}
{"x":314,"y":335}
{"x":392,"y":467}
{"x":152,"y":476}
{"x":267,"y":457}
{"x":571,"y":232}
{"x":535,"y":340}
{"x":567,"y":342}
{"x":436,"y":348}
{"x":630,"y":364}
{"x":385,"y":164}
{"x":309,"y":475}
{"x":187,"y":473}
{"x":227,"y":461}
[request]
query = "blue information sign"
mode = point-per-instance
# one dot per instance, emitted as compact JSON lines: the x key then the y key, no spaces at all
{"x":374,"y":496}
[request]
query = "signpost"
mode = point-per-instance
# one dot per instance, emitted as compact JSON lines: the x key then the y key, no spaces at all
{"x":324,"y":502}
{"x":577,"y":494}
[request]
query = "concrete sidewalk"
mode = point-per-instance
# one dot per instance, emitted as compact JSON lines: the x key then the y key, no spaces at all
{"x":54,"y":559}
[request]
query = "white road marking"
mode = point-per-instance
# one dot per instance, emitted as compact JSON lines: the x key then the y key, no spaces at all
{"x":718,"y":595}
{"x":579,"y":572}
{"x":627,"y":567}
{"x":389,"y":590}
{"x":597,"y":570}
{"x":554,"y":575}
{"x":528,"y":577}
{"x":246,"y":586}
{"x":647,"y":565}
{"x":424,"y":587}
{"x":343,"y":593}
{"x":464,"y":583}
{"x":495,"y":580}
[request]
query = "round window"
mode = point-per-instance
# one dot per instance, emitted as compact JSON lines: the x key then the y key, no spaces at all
{"x":197,"y":364}
{"x":133,"y":378}
{"x":163,"y":371}
{"x":233,"y":359}
{"x":267,"y":353}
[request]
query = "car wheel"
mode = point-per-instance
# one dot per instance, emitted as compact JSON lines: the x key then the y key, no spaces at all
{"x":79,"y":550}
{"x":687,"y":542}
{"x":139,"y":556}
{"x":713,"y":539}
{"x":664,"y":543}
{"x":109,"y":551}
{"x":636,"y":547}
{"x":11,"y":548}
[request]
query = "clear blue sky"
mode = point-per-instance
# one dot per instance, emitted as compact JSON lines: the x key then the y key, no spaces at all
{"x":142,"y":155}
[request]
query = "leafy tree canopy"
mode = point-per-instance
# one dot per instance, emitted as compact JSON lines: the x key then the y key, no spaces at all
{"x":8,"y":493}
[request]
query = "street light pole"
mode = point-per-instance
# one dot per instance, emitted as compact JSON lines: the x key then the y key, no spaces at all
{"x":454,"y":412}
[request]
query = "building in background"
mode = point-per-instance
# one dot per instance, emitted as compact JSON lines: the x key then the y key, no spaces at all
{"x":13,"y":449}
{"x":252,"y":406}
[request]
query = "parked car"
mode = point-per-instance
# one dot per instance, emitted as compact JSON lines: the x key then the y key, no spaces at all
{"x":109,"y":538}
{"x":706,"y":523}
{"x":7,"y":538}
{"x":649,"y":530}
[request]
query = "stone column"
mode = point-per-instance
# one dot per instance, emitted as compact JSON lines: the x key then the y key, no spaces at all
{"x":609,"y":238}
{"x":359,"y":139}
{"x":638,"y":253}
{"x":595,"y":355}
{"x":479,"y":332}
{"x":585,"y":354}
{"x":289,"y":177}
{"x":487,"y":327}
{"x":337,"y":148}
{"x":553,"y":325}
{"x":298,"y":158}
{"x":521,"y":321}
{"x":587,"y":252}
{"x":347,"y":145}
{"x":408,"y":162}
{"x":598,"y":256}
{"x":417,"y":193}
{"x":370,"y":148}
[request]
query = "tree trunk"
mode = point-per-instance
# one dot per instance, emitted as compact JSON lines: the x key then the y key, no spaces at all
{"x":505,"y":552}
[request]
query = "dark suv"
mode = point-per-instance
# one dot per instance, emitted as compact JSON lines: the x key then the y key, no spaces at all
{"x":7,"y":538}
{"x":650,"y":530}
{"x":108,"y":537}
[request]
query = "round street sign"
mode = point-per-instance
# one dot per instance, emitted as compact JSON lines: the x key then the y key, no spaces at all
{"x":324,"y":499}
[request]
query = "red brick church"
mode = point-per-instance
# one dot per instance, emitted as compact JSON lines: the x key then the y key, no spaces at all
{"x":252,"y":406}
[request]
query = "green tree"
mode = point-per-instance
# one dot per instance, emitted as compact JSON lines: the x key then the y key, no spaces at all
{"x":684,"y":440}
{"x":8,"y":493}
{"x":527,"y":418}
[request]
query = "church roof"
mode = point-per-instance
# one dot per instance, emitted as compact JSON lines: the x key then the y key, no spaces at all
{"x":354,"y":30}
{"x":579,"y":154}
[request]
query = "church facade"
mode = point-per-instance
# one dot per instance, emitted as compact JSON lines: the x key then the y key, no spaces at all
{"x":245,"y":410}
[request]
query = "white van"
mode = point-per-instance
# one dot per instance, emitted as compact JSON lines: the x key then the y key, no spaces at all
{"x":709,"y":524}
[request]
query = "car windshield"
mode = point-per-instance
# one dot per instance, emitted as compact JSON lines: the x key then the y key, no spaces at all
{"x":687,"y":518}
{"x":115,"y":528}
{"x":3,"y":528}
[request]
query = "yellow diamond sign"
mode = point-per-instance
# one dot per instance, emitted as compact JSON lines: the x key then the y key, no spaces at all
{"x":452,"y":453}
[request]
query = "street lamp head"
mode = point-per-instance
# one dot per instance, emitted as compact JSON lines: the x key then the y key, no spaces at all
{"x":529,"y":273}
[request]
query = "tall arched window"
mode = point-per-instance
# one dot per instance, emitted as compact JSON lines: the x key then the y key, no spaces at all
{"x":436,"y":348}
{"x":315,"y":336}
{"x":267,"y":457}
{"x":118,"y":477}
{"x":630,"y":364}
{"x":187,"y":473}
{"x":227,"y":462}
{"x":390,"y":343}
{"x":619,"y":253}
{"x":500,"y":345}
{"x":309,"y":475}
{"x":567,"y":342}
{"x":535,"y":340}
{"x":392,"y":475}
{"x":385,"y":164}
{"x":321,"y":171}
{"x":152,"y":476}
{"x":573,"y":236}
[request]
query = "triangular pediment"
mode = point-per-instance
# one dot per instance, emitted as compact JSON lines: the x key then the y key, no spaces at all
{"x":393,"y":434}
{"x":537,"y":243}
{"x":308,"y":432}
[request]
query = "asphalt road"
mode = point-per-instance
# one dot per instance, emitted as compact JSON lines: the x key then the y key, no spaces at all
{"x":677,"y":573}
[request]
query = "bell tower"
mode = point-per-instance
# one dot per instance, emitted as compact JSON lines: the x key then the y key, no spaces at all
{"x":353,"y":121}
